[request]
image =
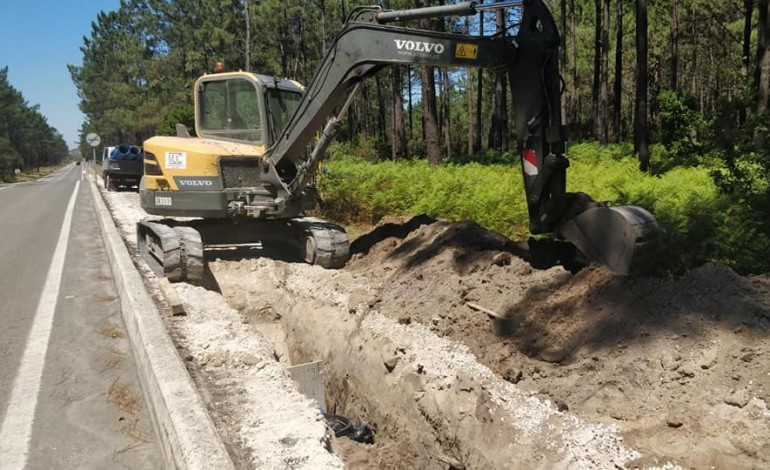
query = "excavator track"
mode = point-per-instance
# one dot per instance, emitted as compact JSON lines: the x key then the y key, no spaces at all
{"x":174,"y":249}
{"x":171,"y":250}
{"x":325,"y":244}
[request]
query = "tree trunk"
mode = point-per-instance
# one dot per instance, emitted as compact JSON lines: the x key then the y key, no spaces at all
{"x":653,"y":88}
{"x":381,"y":126}
{"x":597,"y":67}
{"x":618,"y":87}
{"x":398,"y":137}
{"x":604,"y":107}
{"x":447,"y":116}
{"x":469,"y":100}
{"x":694,"y":60}
{"x":430,"y":121}
{"x":479,"y":94}
{"x":674,"y":44}
{"x":563,"y":55}
{"x":322,"y":9}
{"x":363,"y":110}
{"x":443,"y":105}
{"x":498,"y":130}
{"x":573,"y":83}
{"x":641,"y":126}
{"x":306,"y":73}
{"x":748,"y":10}
{"x":411,"y":103}
{"x":283,"y":44}
{"x":763,"y":57}
{"x":440,"y":93}
{"x":469,"y":96}
{"x":247,"y":51}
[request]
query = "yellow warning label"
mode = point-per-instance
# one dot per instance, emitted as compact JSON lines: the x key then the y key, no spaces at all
{"x":466,"y":51}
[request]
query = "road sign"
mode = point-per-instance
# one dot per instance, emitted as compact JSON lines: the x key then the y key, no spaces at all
{"x":93,"y":139}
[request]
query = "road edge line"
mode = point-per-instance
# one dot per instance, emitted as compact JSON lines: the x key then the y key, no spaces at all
{"x":182,"y":424}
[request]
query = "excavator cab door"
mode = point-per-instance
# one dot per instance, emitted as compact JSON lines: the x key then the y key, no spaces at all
{"x":281,"y":106}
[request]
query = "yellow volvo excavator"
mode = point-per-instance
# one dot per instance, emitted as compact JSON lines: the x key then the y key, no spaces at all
{"x":249,"y":175}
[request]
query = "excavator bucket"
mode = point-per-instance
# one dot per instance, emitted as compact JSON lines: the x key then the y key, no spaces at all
{"x":622,"y":238}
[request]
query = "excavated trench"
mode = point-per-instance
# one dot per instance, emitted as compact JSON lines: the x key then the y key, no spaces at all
{"x":303,"y":331}
{"x":367,"y":377}
{"x":429,"y":402}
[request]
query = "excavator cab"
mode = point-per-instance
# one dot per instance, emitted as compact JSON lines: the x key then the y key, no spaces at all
{"x":244,"y":107}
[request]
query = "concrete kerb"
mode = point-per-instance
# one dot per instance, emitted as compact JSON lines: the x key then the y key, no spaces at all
{"x":184,"y":429}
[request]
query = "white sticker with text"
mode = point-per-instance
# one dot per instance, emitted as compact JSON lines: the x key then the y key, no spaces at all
{"x":176,"y":160}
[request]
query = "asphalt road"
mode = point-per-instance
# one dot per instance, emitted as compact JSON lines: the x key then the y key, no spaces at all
{"x":69,"y":393}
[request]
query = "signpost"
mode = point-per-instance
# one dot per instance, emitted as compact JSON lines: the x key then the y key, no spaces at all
{"x":93,"y":140}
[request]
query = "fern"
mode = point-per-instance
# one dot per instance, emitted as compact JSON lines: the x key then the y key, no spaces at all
{"x":698,"y":223}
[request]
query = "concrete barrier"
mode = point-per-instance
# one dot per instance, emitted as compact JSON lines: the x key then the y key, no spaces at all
{"x":183,"y":428}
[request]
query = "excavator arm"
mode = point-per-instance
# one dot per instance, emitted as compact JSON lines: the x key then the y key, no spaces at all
{"x":619,"y":237}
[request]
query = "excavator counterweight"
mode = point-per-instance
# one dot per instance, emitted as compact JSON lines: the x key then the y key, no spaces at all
{"x":250,"y":177}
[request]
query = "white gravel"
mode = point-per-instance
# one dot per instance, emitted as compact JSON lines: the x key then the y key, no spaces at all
{"x":587,"y":445}
{"x":278,"y":427}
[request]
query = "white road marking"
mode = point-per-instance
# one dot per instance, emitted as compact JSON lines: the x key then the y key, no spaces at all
{"x":3,"y":187}
{"x":17,"y":425}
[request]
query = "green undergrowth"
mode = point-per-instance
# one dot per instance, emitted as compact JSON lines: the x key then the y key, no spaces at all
{"x":698,"y":223}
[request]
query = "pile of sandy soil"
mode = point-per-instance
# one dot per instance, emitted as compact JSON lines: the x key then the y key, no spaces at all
{"x":681,"y":366}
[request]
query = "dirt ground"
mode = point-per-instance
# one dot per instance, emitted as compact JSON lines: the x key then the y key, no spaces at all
{"x":681,"y":366}
{"x":678,"y":368}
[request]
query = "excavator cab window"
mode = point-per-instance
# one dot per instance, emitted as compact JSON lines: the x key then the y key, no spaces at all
{"x":230,"y":110}
{"x":281,"y":105}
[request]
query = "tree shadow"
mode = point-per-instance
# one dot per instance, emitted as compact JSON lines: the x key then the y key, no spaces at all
{"x":596,"y":311}
{"x":363,"y":244}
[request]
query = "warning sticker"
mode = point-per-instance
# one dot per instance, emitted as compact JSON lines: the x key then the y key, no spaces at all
{"x":466,"y":51}
{"x":529,"y":162}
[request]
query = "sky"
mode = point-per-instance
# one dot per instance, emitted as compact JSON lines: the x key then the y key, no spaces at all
{"x":38,"y":39}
